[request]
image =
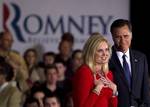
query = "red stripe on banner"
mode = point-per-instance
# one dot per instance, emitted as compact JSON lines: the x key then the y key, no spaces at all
{"x":5,"y":16}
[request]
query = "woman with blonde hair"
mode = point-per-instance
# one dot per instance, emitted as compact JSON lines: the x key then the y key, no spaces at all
{"x":93,"y":82}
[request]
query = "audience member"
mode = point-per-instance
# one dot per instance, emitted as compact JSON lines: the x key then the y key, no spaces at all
{"x":77,"y":59}
{"x":13,"y":58}
{"x":10,"y":96}
{"x":37,"y":92}
{"x":50,"y":85}
{"x":52,"y":100}
{"x":65,"y":49}
{"x":31,"y":102}
{"x":30,"y":56}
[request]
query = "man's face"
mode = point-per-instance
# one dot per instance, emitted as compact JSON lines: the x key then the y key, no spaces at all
{"x":34,"y":104}
{"x":65,"y":48}
{"x":48,"y":60}
{"x":61,"y":68}
{"x":52,"y":76}
{"x":122,"y":38}
{"x":2,"y":78}
{"x":52,"y":102}
{"x":6,"y":41}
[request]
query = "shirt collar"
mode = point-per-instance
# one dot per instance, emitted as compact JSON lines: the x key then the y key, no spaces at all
{"x":2,"y":87}
{"x":120,"y":54}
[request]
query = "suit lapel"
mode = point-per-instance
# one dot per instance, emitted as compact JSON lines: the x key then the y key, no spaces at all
{"x":134,"y":66}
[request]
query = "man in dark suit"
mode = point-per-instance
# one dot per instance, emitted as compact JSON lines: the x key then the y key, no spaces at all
{"x":129,"y":67}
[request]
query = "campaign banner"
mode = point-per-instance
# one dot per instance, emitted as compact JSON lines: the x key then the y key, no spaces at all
{"x":41,"y":23}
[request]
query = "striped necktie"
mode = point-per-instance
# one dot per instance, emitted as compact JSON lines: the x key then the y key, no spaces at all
{"x":126,"y":70}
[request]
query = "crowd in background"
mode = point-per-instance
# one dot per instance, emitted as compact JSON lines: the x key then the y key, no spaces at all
{"x":45,"y":83}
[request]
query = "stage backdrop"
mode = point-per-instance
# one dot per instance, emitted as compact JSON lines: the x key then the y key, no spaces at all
{"x":40,"y":23}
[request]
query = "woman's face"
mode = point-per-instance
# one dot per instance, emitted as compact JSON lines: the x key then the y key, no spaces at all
{"x":31,"y":57}
{"x":77,"y":60}
{"x":102,"y":53}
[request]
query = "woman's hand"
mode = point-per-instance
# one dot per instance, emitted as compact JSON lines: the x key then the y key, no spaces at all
{"x":97,"y":81}
{"x":98,"y":85}
{"x":113,"y":86}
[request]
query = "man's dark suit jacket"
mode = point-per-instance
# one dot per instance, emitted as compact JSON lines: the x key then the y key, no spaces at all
{"x":138,"y":94}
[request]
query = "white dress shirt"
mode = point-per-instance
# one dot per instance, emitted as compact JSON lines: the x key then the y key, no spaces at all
{"x":120,"y":54}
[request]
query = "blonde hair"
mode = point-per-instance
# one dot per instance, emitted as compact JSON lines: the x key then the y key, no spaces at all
{"x":89,"y":50}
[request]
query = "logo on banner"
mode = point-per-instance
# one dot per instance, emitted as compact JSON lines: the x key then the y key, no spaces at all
{"x":15,"y":20}
{"x":46,"y":29}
